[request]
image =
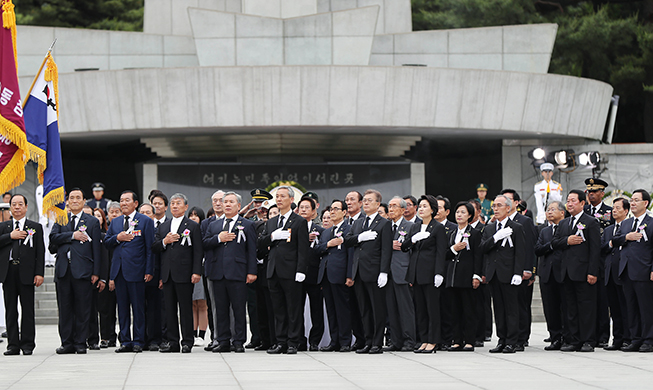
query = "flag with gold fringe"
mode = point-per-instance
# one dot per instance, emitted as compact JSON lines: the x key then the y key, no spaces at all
{"x":13,"y":142}
{"x":44,"y":146}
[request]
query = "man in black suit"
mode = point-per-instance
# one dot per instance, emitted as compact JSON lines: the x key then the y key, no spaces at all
{"x":603,"y":213}
{"x":613,"y":283}
{"x":483,"y":295}
{"x":233,"y":243}
{"x":76,"y":271}
{"x":286,"y":236}
{"x":179,"y":241}
{"x":218,"y":210}
{"x":155,"y":323}
{"x":371,"y":238}
{"x":410,"y":214}
{"x":336,"y":279}
{"x":504,"y":246}
{"x":635,"y":237}
{"x":311,"y":287}
{"x":401,"y":311}
{"x":579,"y":239}
{"x":528,"y":276}
{"x":22,"y":262}
{"x":354,"y":201}
{"x":551,"y":282}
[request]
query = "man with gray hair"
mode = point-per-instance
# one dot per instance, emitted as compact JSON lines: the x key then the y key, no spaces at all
{"x":179,"y":241}
{"x":218,"y":209}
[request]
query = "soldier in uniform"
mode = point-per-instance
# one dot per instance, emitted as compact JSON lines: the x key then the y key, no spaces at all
{"x":486,"y":204}
{"x":255,"y":210}
{"x":546,"y":191}
{"x":98,"y":201}
{"x":595,"y":207}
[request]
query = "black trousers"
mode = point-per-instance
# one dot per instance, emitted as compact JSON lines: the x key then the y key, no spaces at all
{"x":316,"y":306}
{"x":230,"y":294}
{"x":372,"y":305}
{"x":506,"y":311}
{"x":618,"y":312}
{"x":602,"y":312}
{"x":555,"y":309}
{"x":286,"y":295}
{"x":427,"y":302}
{"x":74,"y":299}
{"x":581,"y":311}
{"x":179,"y":295}
{"x":639,"y":300}
{"x":14,"y":290}
{"x":93,"y":336}
{"x":525,"y":300}
{"x":106,"y":304}
{"x":336,"y":298}
{"x":464,"y":319}
{"x":264,"y":310}
{"x":401,"y":314}
{"x":252,"y":312}
{"x":153,"y":314}
{"x":209,"y":304}
{"x":356,"y":317}
{"x":446,"y":317}
{"x":483,"y":312}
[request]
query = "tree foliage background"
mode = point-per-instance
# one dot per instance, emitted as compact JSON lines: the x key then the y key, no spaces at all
{"x":607,"y":40}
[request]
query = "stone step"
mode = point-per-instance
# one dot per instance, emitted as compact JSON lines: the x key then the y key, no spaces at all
{"x":46,"y":320}
{"x":46,"y":287}
{"x":41,"y":312}
{"x":46,"y":304}
{"x":49,"y":271}
{"x":45,"y":295}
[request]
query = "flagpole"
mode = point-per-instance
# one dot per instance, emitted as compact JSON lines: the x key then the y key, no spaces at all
{"x":29,"y":92}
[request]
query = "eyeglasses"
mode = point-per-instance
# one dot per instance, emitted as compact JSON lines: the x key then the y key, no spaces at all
{"x":394,"y":206}
{"x":369,"y":200}
{"x":336,"y":208}
{"x":497,"y":205}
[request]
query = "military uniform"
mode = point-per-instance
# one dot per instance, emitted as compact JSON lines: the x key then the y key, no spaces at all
{"x":486,"y":204}
{"x":545,"y":192}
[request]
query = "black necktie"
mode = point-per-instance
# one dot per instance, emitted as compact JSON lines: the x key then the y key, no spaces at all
{"x":499,"y":227}
{"x":226,"y":225}
{"x":158,"y":223}
{"x":280,"y":222}
{"x":593,"y":210}
{"x":616,"y":228}
{"x":555,"y":227}
{"x":72,"y":222}
{"x":125,"y":226}
{"x":636,"y":224}
{"x":14,"y":245}
{"x":394,"y":229}
{"x":573,"y":222}
{"x":367,"y":223}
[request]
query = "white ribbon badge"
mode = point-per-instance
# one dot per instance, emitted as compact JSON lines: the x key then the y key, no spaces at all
{"x":580,"y":233}
{"x":508,"y":240}
{"x":241,"y":233}
{"x":28,"y":239}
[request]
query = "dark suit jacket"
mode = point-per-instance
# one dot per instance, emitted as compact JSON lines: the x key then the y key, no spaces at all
{"x":32,"y":258}
{"x":374,"y":256}
{"x":401,"y":259}
{"x":550,"y":259}
{"x":286,"y":258}
{"x":428,"y":256}
{"x":606,"y":215}
{"x":231,"y":260}
{"x":611,"y":256}
{"x":584,"y":259}
{"x":336,"y":262}
{"x":638,"y":256}
{"x":180,"y":260}
{"x":133,"y":257}
{"x":208,"y":255}
{"x":85,"y":258}
{"x":530,"y":237}
{"x":504,"y":261}
{"x":462,"y":267}
{"x":313,"y":258}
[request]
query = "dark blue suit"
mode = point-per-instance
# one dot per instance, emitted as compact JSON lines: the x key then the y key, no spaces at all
{"x":76,"y":262}
{"x":131,"y":261}
{"x":312,"y":289}
{"x":615,"y":288}
{"x":335,"y":268}
{"x":635,"y":269}
{"x":231,"y":262}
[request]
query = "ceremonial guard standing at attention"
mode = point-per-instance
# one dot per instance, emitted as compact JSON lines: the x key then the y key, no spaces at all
{"x":546,"y":191}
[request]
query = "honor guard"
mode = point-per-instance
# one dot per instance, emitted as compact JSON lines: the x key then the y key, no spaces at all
{"x":98,"y":201}
{"x":255,"y":210}
{"x":486,"y":204}
{"x":546,"y":191}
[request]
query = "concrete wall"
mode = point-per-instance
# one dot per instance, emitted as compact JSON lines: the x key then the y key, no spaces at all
{"x":394,"y":16}
{"x":394,"y":100}
{"x":524,"y":48}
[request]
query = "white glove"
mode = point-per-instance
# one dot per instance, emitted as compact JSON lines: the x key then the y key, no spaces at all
{"x":280,"y":234}
{"x":516,"y":280}
{"x":299,"y":277}
{"x":503,"y":233}
{"x":383,"y":279}
{"x":367,"y":235}
{"x":437,"y":280}
{"x":419,"y":236}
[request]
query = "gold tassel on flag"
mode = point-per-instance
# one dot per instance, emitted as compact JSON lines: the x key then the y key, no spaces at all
{"x":9,"y":22}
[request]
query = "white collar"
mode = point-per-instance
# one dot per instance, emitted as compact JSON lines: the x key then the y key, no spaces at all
{"x":21,"y":222}
{"x":412,"y":219}
{"x":355,"y":217}
{"x":286,"y":216}
{"x":597,"y":207}
{"x":512,"y":216}
{"x":162,"y":220}
{"x":336,"y":227}
{"x":177,"y":219}
{"x":131,"y":216}
{"x":398,"y":221}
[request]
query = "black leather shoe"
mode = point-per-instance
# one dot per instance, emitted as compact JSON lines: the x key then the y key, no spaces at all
{"x":94,"y":347}
{"x":27,"y":353}
{"x":569,"y":348}
{"x":137,"y":348}
{"x":301,"y":347}
{"x":375,"y":350}
{"x":630,"y":348}
{"x":124,"y":348}
{"x":646,"y":348}
{"x":239,"y":349}
{"x":390,"y":348}
{"x":292,"y":350}
{"x":211,"y":346}
{"x":509,"y":349}
{"x":345,"y":348}
{"x":80,"y":351}
{"x":187,"y":349}
{"x":555,"y":346}
{"x":612,"y":347}
{"x":277,"y":349}
{"x":407,"y":348}
{"x":357,"y":346}
{"x":104,"y":344}
{"x":547,"y":340}
{"x":365,"y":349}
{"x":519,"y":348}
{"x":262,"y":347}
{"x":62,"y":350}
{"x":602,"y":344}
{"x":252,"y":345}
{"x":455,"y":348}
{"x":487,"y":339}
{"x":329,"y":348}
{"x":4,"y":334}
{"x":479,"y":344}
{"x":11,"y":352}
{"x":499,"y":348}
{"x":313,"y":348}
{"x":169,"y":348}
{"x":222,"y":348}
{"x":153,"y":347}
{"x":112,"y":344}
{"x":587,"y":347}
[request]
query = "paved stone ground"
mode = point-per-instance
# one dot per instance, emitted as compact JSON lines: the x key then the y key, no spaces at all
{"x":534,"y":369}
